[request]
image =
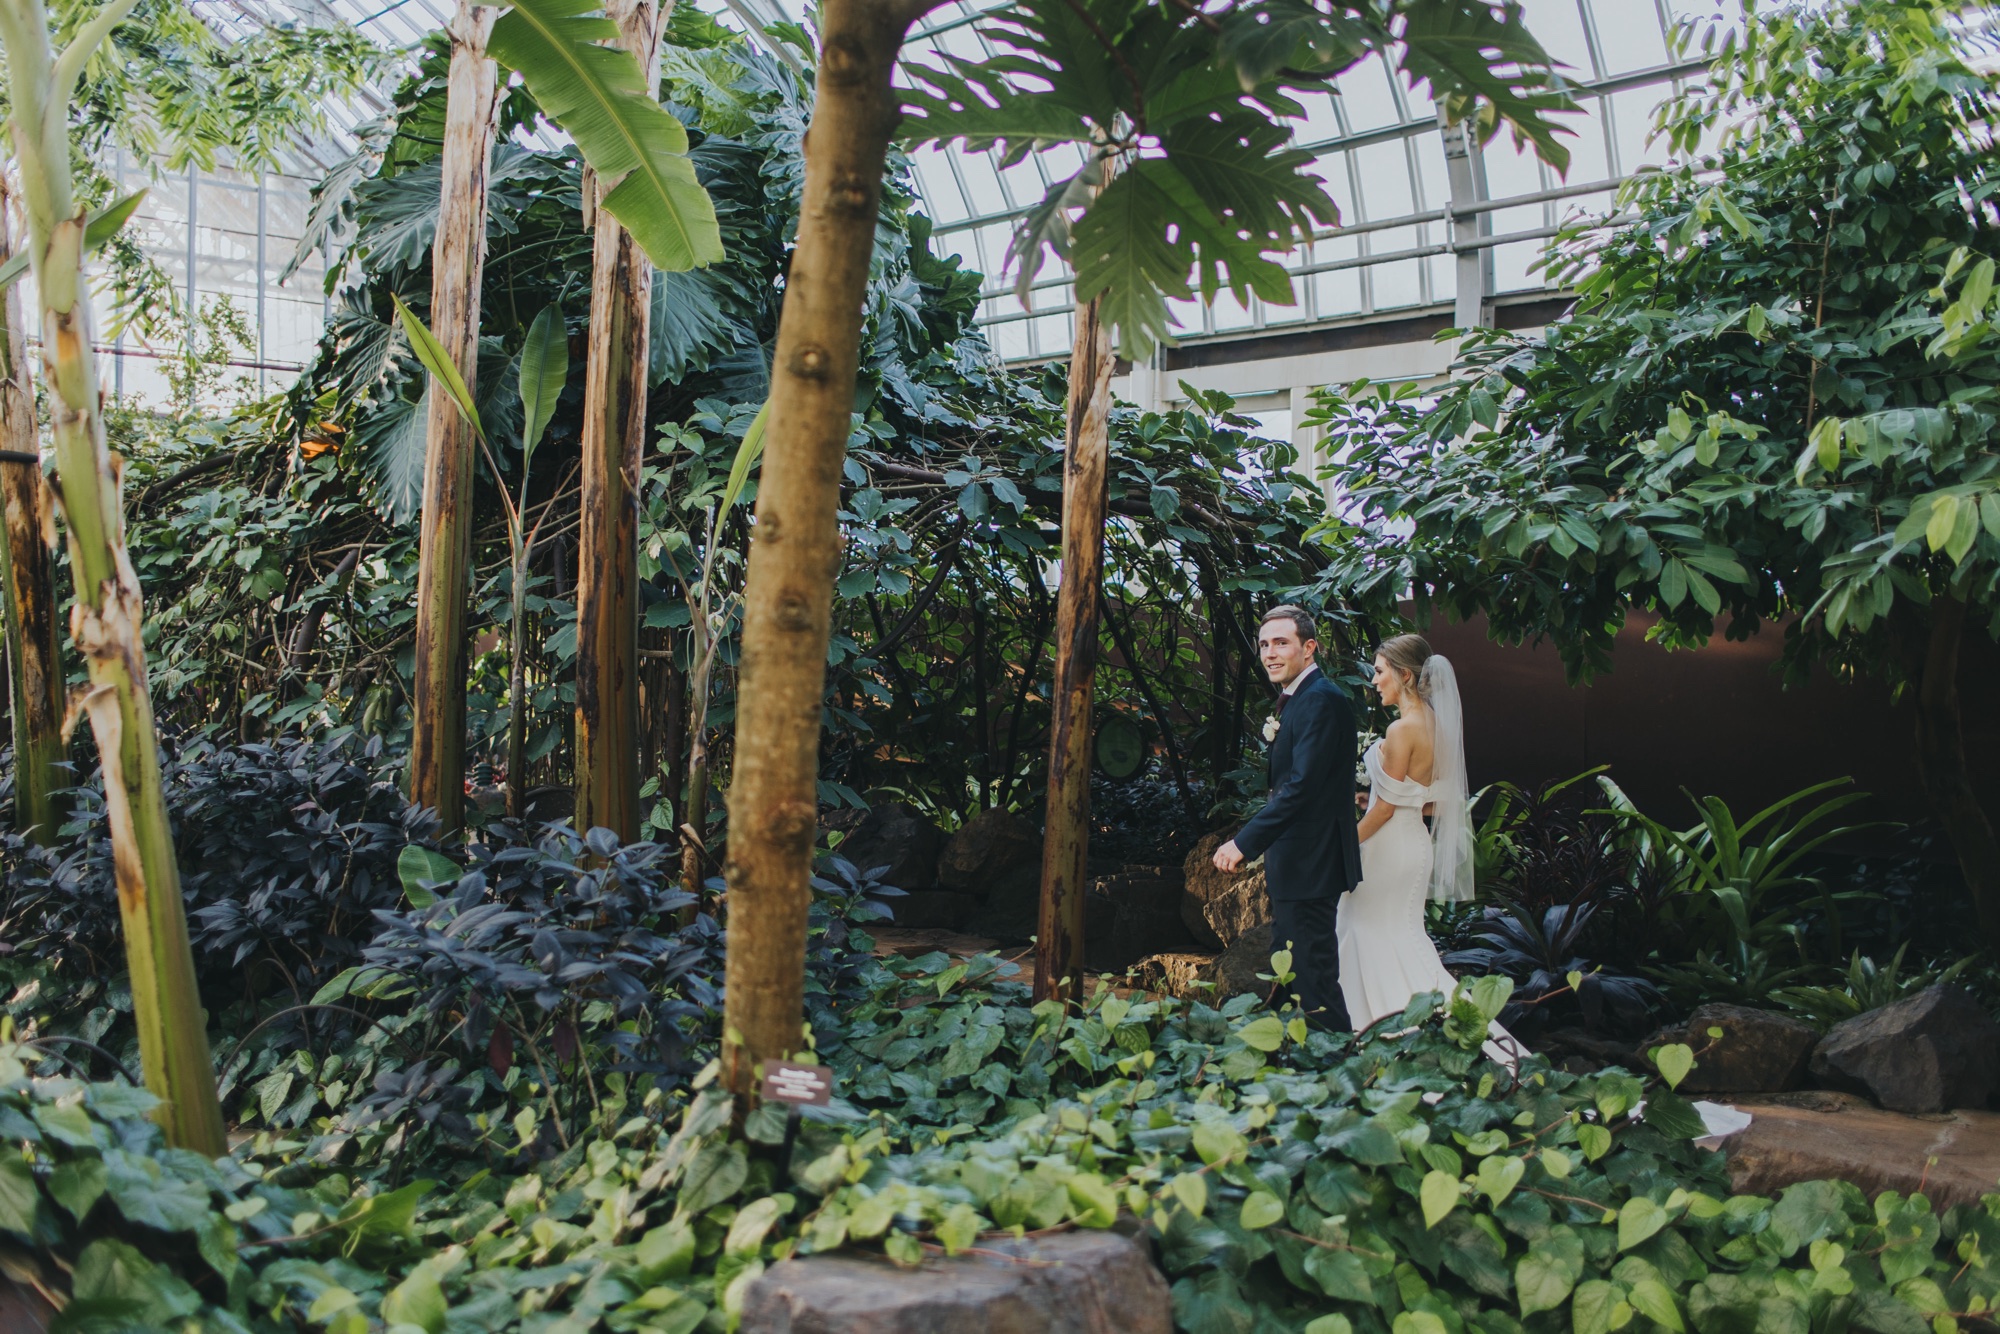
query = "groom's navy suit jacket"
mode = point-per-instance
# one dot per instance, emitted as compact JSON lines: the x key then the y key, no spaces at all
{"x":1306,"y":831}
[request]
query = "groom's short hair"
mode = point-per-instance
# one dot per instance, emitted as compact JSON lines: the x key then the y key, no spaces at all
{"x":1300,"y":618}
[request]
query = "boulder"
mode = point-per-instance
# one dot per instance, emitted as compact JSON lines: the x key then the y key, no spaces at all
{"x":1759,"y":1051}
{"x":1236,"y":968}
{"x":1146,"y":918}
{"x":1219,"y":906}
{"x":1930,"y":1052}
{"x":1815,"y":1135}
{"x":990,"y":846}
{"x":1084,"y":1282}
{"x":934,"y":909}
{"x":894,"y":834}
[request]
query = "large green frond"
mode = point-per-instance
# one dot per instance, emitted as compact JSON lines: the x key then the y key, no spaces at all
{"x":598,"y":95}
{"x":1471,"y":52}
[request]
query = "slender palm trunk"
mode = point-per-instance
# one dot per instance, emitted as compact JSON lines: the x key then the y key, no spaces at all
{"x":458,"y":261}
{"x":517,"y":685}
{"x":1066,"y":840}
{"x":614,"y":441}
{"x":108,"y":612}
{"x":27,"y":580}
{"x":795,"y":546}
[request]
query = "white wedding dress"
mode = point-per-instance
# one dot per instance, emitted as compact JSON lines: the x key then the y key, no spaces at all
{"x":1386,"y":956}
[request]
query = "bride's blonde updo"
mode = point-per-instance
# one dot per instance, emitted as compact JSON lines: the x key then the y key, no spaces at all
{"x":1406,"y":656}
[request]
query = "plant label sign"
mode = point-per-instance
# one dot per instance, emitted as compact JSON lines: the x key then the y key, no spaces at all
{"x":785,"y":1081}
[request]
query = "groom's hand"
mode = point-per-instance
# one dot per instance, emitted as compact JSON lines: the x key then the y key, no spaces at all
{"x":1228,"y":857}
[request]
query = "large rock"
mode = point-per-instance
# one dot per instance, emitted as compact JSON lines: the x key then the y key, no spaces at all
{"x":1817,"y":1136}
{"x":1236,"y":968}
{"x":1759,"y":1051}
{"x":894,"y":834}
{"x":934,"y":909}
{"x":1084,"y":1282}
{"x":992,"y":844}
{"x":1220,"y":906}
{"x":996,"y":857}
{"x":1929,"y":1052}
{"x":1146,"y":917}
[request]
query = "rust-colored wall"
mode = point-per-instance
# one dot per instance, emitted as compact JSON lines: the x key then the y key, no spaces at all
{"x":1716,"y":720}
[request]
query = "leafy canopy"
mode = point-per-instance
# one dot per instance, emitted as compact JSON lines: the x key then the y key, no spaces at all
{"x":1775,"y":395}
{"x":1190,"y":178}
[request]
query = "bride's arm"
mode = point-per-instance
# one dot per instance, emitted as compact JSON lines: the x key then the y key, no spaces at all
{"x":1396,"y":764}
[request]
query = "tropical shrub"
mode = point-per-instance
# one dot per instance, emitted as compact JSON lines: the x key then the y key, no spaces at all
{"x":289,"y":848}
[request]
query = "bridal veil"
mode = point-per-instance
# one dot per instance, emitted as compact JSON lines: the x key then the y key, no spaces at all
{"x":1451,"y":826}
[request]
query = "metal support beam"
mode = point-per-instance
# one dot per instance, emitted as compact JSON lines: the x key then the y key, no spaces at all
{"x":1473,"y":305}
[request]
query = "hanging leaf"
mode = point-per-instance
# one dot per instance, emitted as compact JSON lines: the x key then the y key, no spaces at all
{"x":747,"y":455}
{"x":432,"y":354}
{"x":544,"y":370}
{"x":101,"y":227}
{"x":389,"y":442}
{"x":600,"y":98}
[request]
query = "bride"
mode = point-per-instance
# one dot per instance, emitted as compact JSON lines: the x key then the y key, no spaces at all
{"x":1417,"y":768}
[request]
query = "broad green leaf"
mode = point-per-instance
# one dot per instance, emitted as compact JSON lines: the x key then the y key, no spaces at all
{"x":417,"y":865}
{"x":1191,"y":1189}
{"x":544,"y":369}
{"x":1329,"y":1324}
{"x":959,"y":1229}
{"x":20,"y":1200}
{"x":1498,"y":1176}
{"x":117,"y":1280}
{"x":1265,"y":1034}
{"x":1594,"y":1140}
{"x":1093,"y":1202}
{"x":1825,"y":441}
{"x":599,"y":96}
{"x":747,"y":455}
{"x":77,"y":1185}
{"x":1418,"y":1322}
{"x":1638,"y":1219}
{"x":147,"y":1194}
{"x":101,"y":226}
{"x":1944,"y":518}
{"x":1673,"y":1061}
{"x":716,"y":1174}
{"x":1650,"y":1298}
{"x":1542,"y":1281}
{"x":418,"y":1300}
{"x":1599,"y":1308}
{"x":1438,"y":1195}
{"x":1261,"y":1210}
{"x":1340,"y":1274}
{"x":1214,"y":1140}
{"x":443,"y":373}
{"x":752,"y":1222}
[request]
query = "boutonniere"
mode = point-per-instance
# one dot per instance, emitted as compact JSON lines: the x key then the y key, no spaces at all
{"x":1270,"y":729}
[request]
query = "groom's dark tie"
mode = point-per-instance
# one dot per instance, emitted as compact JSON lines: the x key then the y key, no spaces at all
{"x":1283,"y":695}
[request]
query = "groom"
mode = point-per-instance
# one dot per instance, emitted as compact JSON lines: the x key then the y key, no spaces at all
{"x":1305,"y":833}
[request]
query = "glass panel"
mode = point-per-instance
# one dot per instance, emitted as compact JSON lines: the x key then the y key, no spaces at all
{"x":1055,"y":335}
{"x":1292,"y":314}
{"x":1386,"y":176}
{"x":939,"y":188}
{"x":1433,"y":176}
{"x":1186,"y":316}
{"x":1321,"y":122}
{"x":1365,"y":97}
{"x":1397,"y":284}
{"x":1231,"y":314}
{"x":982,"y":183}
{"x":1337,"y":293}
{"x":1010,"y":340}
{"x":1510,"y":266}
{"x":1634,"y":111}
{"x":1560,"y":28}
{"x":1333,"y":169}
{"x":1024,"y":182}
{"x":1628,"y":36}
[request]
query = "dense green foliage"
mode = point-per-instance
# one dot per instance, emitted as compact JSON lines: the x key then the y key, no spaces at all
{"x":1774,"y":376}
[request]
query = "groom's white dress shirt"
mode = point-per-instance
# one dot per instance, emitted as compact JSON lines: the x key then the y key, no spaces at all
{"x":1300,"y":679}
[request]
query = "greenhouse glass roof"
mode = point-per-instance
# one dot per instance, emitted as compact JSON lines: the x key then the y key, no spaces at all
{"x":1427,"y":228}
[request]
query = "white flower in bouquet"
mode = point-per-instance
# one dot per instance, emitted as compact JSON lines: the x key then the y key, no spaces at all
{"x":1367,"y":739}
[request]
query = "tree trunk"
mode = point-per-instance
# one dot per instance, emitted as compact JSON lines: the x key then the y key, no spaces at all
{"x":458,"y":261}
{"x":108,"y":612}
{"x":1942,"y":764}
{"x":614,"y":440}
{"x":27,"y":581}
{"x":1066,"y":838}
{"x":795,"y":549}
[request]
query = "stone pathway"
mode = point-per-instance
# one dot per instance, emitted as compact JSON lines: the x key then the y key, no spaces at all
{"x":1953,"y":1157}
